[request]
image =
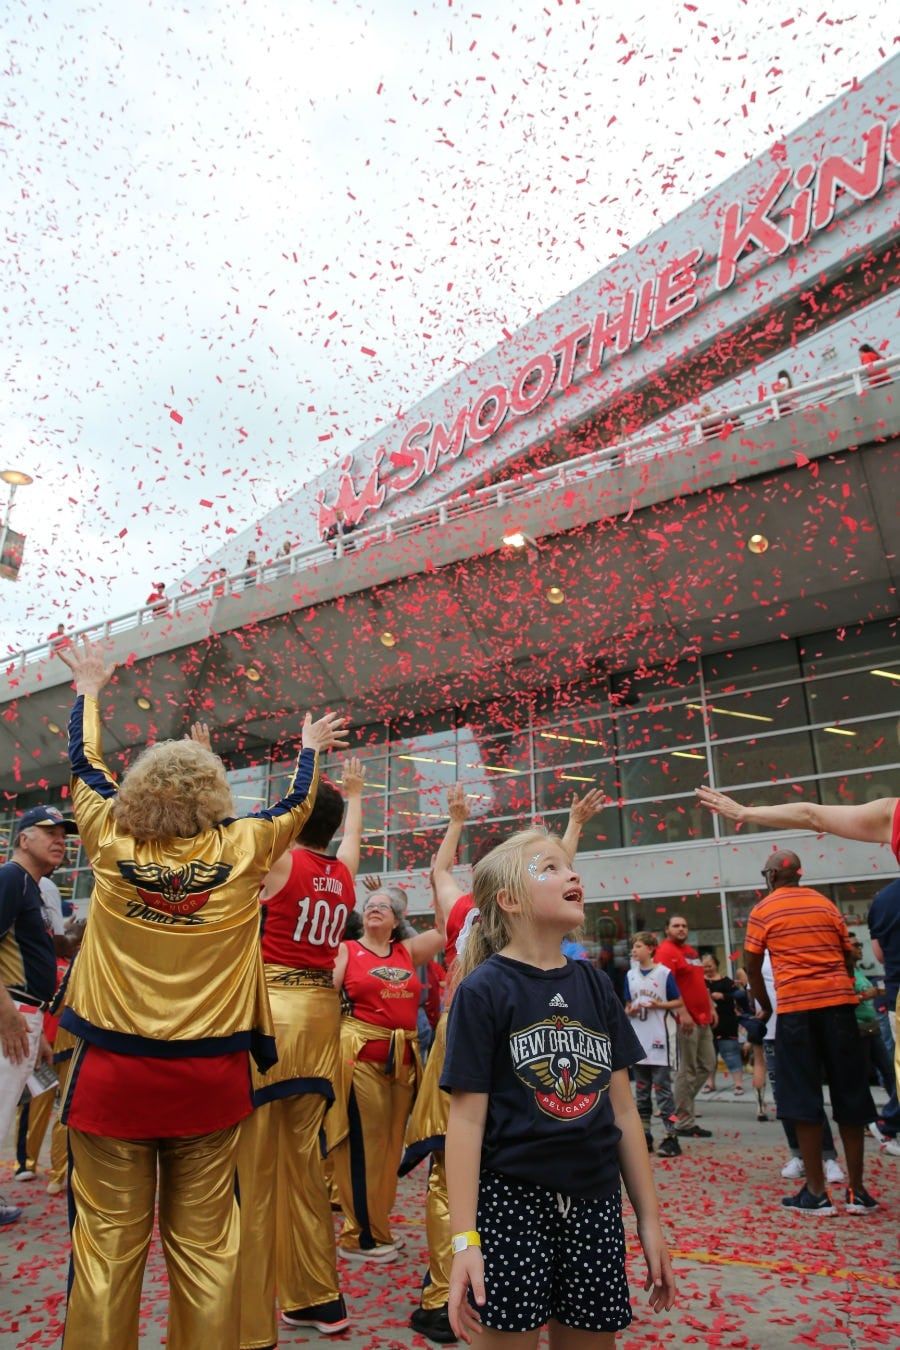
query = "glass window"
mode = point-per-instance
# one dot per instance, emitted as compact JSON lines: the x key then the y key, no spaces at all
{"x":764,"y":759}
{"x":854,"y":788}
{"x":662,"y":775}
{"x":414,"y":849}
{"x":769,"y":663}
{"x":775,"y":795}
{"x":656,"y":725}
{"x":496,"y":773}
{"x":860,"y":746}
{"x":602,"y":831}
{"x":590,"y":737}
{"x":497,"y":716}
{"x":249,"y":788}
{"x":554,"y":788}
{"x":739,"y":714}
{"x":670,"y":821}
{"x":872,"y":644}
{"x":855,"y":694}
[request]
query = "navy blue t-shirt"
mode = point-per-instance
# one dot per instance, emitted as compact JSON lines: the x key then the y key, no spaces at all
{"x":27,"y":954}
{"x":884,"y":927}
{"x":543,"y":1044}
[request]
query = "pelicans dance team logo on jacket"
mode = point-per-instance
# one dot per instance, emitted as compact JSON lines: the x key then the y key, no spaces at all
{"x":178,"y":891}
{"x":566,"y":1064}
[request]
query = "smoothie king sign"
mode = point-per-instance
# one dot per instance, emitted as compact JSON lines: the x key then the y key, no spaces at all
{"x":804,"y":200}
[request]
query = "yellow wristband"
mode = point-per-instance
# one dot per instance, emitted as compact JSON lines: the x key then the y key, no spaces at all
{"x":460,"y":1241}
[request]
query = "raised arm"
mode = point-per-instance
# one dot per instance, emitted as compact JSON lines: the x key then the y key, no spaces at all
{"x":580,"y":812}
{"x":280,"y":824}
{"x":446,"y":889}
{"x":93,"y":785}
{"x":352,"y":784}
{"x":870,"y":822}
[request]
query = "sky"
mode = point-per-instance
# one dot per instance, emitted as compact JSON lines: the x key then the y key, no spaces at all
{"x":239,"y":237}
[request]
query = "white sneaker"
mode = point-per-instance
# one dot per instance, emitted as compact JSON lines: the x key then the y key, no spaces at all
{"x":833,"y":1173}
{"x":793,"y":1169}
{"x":892,"y":1147}
{"x":876,"y":1133}
{"x":381,"y":1254}
{"x":24,"y":1174}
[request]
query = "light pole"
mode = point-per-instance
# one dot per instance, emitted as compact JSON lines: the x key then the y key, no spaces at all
{"x":16,"y":479}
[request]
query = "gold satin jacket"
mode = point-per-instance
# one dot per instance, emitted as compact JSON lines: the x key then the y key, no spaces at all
{"x":170,"y":965}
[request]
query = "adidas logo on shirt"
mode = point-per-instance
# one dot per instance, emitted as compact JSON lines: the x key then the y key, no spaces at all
{"x":557,"y":1001}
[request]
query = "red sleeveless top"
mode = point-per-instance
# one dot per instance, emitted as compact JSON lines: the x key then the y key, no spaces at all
{"x":303,"y":923}
{"x":382,"y":990}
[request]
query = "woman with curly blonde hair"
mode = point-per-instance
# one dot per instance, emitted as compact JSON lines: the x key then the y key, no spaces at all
{"x":167,"y":1001}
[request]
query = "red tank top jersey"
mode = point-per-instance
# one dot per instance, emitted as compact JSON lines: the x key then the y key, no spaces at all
{"x":456,"y":921}
{"x":382,"y":990}
{"x":304,"y":922}
{"x":895,"y":832}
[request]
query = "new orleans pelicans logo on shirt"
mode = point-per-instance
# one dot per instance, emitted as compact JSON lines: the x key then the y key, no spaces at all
{"x":566,"y":1064}
{"x":175,"y":890}
{"x":391,"y":974}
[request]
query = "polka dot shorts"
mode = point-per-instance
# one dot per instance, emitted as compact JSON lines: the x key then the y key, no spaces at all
{"x":551,"y":1256}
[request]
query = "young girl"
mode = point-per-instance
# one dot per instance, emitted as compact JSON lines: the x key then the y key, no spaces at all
{"x":542,"y":1120}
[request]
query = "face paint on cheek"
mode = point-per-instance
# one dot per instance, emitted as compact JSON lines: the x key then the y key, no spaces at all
{"x":533,"y":869}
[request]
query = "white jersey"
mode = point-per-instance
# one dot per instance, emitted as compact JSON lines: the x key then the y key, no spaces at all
{"x":656,"y":1031}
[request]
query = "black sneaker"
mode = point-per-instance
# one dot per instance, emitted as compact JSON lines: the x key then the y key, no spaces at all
{"x":329,"y":1318}
{"x":435,"y":1324}
{"x":670,"y":1147}
{"x":804,"y":1202}
{"x":860,"y":1201}
{"x":649,"y":1138}
{"x":694,"y":1132}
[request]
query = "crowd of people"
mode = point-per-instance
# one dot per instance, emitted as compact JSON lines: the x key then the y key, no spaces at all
{"x":240,"y":1042}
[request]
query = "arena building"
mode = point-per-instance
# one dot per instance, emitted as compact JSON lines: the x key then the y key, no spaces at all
{"x":649,"y":541}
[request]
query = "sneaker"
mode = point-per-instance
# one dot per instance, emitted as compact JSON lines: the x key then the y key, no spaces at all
{"x":329,"y":1318}
{"x":892,"y":1147}
{"x":435,"y":1324}
{"x":876,"y":1133}
{"x":694,"y":1132}
{"x":833,"y":1173}
{"x":706,"y":1089}
{"x":649,"y":1138}
{"x":24,"y":1174}
{"x":55,"y":1187}
{"x":804,"y":1202}
{"x":738,"y":1091}
{"x":793,"y":1170}
{"x":670,"y":1147}
{"x":8,"y":1213}
{"x":860,"y":1201}
{"x":382,"y":1253}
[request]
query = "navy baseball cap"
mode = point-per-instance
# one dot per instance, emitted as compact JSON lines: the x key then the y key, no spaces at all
{"x":47,"y":816}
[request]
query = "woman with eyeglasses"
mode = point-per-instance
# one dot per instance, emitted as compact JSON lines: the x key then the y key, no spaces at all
{"x":379,"y":1072}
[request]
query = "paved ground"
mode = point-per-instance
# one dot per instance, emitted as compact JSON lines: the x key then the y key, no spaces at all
{"x":750,"y":1276}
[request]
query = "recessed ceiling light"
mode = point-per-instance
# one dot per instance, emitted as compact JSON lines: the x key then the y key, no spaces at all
{"x":253,"y":675}
{"x":143,"y":703}
{"x":886,"y":674}
{"x":555,"y":595}
{"x":51,"y":726}
{"x":757,"y":543}
{"x":388,"y":639}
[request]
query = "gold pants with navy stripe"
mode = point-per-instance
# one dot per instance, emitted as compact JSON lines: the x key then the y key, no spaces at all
{"x":287,"y":1230}
{"x":426,"y":1130}
{"x":31,"y":1126}
{"x":113,"y":1191}
{"x":365,"y":1163}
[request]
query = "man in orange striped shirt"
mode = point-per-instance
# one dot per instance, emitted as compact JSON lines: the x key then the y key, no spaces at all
{"x":817,"y":1034}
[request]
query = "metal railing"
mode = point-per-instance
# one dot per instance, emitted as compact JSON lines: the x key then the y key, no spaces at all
{"x":639,"y":449}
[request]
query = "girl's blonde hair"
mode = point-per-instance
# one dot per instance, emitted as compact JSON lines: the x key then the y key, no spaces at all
{"x":173,"y":790}
{"x":505,"y":868}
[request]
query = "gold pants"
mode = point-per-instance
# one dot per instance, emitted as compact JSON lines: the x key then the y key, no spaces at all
{"x":365,"y":1163}
{"x":436,"y":1290}
{"x":31,"y":1127}
{"x":287,"y":1232}
{"x":113,"y":1186}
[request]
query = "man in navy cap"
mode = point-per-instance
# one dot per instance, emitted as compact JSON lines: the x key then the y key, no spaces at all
{"x":27,"y":955}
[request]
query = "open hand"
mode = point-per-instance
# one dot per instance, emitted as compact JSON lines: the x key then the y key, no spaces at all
{"x":329,"y":733}
{"x":582,"y":808}
{"x":199,"y":733}
{"x":353,"y":777}
{"x":457,"y":802}
{"x":89,"y":670}
{"x":719,"y":804}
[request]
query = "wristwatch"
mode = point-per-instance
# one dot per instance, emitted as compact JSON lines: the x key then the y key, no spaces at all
{"x":460,"y":1241}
